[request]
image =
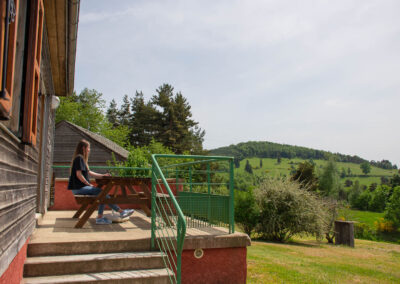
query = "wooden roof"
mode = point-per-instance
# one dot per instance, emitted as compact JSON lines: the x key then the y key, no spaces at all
{"x":62,"y":18}
{"x":93,"y":137}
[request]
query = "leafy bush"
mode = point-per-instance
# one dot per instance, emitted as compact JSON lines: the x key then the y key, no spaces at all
{"x":384,"y":226}
{"x":362,"y":201}
{"x":246,"y":210}
{"x":363,"y":231}
{"x":286,"y":210}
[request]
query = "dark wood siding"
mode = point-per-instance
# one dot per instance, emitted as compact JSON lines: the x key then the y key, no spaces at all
{"x":22,"y":171}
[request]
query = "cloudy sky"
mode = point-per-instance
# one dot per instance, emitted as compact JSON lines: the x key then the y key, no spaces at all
{"x":320,"y":74}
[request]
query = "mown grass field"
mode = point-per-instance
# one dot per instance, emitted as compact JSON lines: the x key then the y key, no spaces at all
{"x":308,"y":261}
{"x":271,"y":167}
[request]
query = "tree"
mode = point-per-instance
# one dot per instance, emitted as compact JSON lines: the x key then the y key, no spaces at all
{"x":278,"y":158}
{"x":329,"y":180}
{"x":305,"y":175}
{"x":144,"y":122}
{"x":343,"y":173}
{"x":286,"y":210}
{"x":248,"y":167}
{"x":176,"y":129}
{"x":392,"y":212}
{"x":86,"y":110}
{"x":365,"y":167}
{"x":124,"y":113}
{"x":261,"y":164}
{"x":379,"y":198}
{"x":112,"y":114}
{"x":236,"y":161}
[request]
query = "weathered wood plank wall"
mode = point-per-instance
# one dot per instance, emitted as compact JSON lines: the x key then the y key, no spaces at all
{"x":20,"y":165}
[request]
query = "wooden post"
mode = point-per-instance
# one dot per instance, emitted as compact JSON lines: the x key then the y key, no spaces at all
{"x":344,"y":233}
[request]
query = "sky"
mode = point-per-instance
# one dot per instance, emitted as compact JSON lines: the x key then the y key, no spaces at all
{"x":318,"y":74}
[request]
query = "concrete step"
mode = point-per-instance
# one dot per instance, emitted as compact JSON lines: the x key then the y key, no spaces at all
{"x":86,"y":247}
{"x":91,"y":263}
{"x":159,"y":276}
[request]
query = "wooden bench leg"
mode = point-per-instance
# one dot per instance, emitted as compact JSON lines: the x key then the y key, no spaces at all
{"x":146,"y":210}
{"x":86,"y":216}
{"x":81,"y":209}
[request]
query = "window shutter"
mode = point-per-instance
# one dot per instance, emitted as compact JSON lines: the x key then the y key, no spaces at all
{"x":33,"y":72}
{"x":8,"y":42}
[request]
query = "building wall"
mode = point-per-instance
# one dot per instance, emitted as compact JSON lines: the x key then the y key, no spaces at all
{"x":20,"y":165}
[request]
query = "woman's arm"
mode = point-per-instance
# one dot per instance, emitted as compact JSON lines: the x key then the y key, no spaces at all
{"x":96,"y":175}
{"x":82,"y":178}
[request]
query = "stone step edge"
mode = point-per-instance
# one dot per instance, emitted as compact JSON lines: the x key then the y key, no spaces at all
{"x":91,"y":257}
{"x":103,"y":276}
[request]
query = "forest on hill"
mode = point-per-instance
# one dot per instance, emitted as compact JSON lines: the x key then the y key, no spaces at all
{"x":265,"y":149}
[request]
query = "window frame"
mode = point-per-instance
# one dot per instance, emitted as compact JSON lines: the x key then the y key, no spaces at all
{"x":32,"y":79}
{"x":8,"y":42}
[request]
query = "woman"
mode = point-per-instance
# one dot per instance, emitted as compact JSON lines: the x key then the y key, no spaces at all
{"x":79,"y":181}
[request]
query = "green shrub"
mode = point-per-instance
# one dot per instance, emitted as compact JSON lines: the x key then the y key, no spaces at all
{"x":286,"y":210}
{"x":246,"y":211}
{"x":363,"y":231}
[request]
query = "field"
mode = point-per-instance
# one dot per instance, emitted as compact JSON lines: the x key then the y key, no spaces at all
{"x":271,"y":167}
{"x":307,"y":261}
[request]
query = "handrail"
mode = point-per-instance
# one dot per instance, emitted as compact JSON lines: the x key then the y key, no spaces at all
{"x":181,"y":226}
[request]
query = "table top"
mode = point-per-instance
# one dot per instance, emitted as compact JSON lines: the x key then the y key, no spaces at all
{"x":123,"y":179}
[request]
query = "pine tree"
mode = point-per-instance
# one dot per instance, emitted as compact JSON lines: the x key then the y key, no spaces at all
{"x":176,"y":129}
{"x":124,"y":114}
{"x":248,"y":167}
{"x":143,"y":122}
{"x":112,"y":113}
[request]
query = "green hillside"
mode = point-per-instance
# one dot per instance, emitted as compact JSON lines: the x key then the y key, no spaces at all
{"x":271,"y":167}
{"x":265,"y":149}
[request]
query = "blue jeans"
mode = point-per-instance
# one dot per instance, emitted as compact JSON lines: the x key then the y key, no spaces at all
{"x":91,"y":190}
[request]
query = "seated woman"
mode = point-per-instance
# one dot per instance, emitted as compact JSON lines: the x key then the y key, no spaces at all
{"x":80,"y":184}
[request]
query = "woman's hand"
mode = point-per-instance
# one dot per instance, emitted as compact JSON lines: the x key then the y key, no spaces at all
{"x":107,"y":175}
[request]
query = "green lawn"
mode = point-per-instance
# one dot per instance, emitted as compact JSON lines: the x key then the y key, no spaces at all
{"x":307,"y":261}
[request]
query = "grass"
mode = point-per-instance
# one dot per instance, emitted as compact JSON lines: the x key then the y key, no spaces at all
{"x":366,"y":217}
{"x":307,"y":261}
{"x":271,"y":167}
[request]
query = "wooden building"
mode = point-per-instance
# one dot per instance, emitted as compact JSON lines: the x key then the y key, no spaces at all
{"x":37,"y":63}
{"x":67,"y":136}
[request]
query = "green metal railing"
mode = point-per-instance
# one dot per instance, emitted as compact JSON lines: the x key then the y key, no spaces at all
{"x":188,"y":192}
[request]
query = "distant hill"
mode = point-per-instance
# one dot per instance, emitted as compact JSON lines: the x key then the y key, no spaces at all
{"x":265,"y":149}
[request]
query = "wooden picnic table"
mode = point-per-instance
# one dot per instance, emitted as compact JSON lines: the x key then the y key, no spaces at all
{"x":122,"y":190}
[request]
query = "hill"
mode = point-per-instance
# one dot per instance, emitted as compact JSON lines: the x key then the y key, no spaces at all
{"x":265,"y":149}
{"x":347,"y":171}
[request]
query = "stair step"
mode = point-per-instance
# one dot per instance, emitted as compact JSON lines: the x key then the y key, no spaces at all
{"x":121,"y":277}
{"x":90,"y":263}
{"x":87,"y":247}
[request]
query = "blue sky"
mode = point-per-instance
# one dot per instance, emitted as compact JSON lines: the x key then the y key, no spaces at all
{"x":319,"y":74}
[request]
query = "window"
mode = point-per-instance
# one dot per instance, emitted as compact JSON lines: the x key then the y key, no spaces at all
{"x":33,"y":73}
{"x":8,"y":39}
{"x":20,"y":55}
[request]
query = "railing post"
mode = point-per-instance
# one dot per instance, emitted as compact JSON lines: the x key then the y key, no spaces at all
{"x":153,"y":206}
{"x":209,"y":192}
{"x":231,"y":199}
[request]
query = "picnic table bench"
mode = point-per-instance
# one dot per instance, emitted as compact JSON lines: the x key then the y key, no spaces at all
{"x":122,"y":190}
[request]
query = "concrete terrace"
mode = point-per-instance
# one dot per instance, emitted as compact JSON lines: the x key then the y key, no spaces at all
{"x":58,"y":227}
